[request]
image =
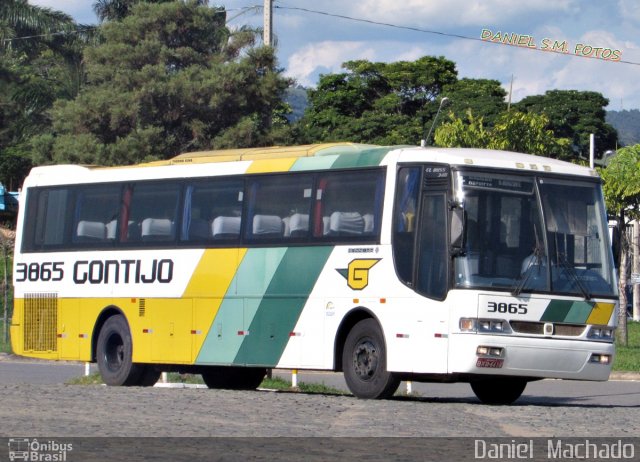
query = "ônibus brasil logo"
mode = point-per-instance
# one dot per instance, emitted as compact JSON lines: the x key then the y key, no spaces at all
{"x":41,"y":451}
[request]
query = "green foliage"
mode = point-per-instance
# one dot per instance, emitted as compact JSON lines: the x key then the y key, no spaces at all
{"x":480,"y":96}
{"x":381,"y":103}
{"x":513,"y":131}
{"x":278,"y":383}
{"x":166,"y":79}
{"x":33,"y":74}
{"x":574,"y":115}
{"x":628,"y":357}
{"x":5,"y":347}
{"x":627,"y":124}
{"x":115,"y":10}
{"x":622,"y":182}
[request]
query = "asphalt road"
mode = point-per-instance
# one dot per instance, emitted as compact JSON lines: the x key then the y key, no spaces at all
{"x":439,"y":422}
{"x":623,"y":390}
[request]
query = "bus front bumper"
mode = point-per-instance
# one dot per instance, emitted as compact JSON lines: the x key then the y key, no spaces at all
{"x":530,"y":357}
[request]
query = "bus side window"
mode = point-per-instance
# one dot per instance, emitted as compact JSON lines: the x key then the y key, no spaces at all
{"x":96,"y":215}
{"x":349,"y":204}
{"x":153,"y":212}
{"x":279,"y":207}
{"x":212,"y":211}
{"x":47,"y":213}
{"x":433,"y":247}
{"x":405,"y":221}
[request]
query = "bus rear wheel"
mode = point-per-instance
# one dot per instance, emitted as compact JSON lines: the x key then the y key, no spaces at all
{"x":114,"y":354}
{"x":364,"y":361}
{"x":501,"y":391}
{"x":233,"y":377}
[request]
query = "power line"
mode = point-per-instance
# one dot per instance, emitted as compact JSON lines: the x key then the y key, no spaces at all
{"x":243,"y":10}
{"x":50,"y":34}
{"x":427,"y":31}
{"x":85,"y":28}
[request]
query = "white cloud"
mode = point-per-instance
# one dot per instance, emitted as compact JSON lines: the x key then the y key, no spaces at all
{"x":327,"y":57}
{"x":80,"y":10}
{"x":457,"y":12}
{"x":629,"y":10}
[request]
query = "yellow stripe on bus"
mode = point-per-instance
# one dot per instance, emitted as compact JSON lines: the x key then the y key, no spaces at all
{"x":208,"y":286}
{"x":601,"y":313}
{"x":271,"y":165}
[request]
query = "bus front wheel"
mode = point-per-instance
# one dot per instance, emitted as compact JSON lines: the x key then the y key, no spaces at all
{"x":364,"y":361}
{"x":503,"y":390}
{"x":114,"y":354}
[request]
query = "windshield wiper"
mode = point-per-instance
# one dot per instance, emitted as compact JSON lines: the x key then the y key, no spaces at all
{"x":562,"y":260}
{"x":535,"y":258}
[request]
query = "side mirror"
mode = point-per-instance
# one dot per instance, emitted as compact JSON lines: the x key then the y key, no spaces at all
{"x":457,"y":231}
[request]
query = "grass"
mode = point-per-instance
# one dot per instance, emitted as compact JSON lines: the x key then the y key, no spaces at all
{"x":278,"y":383}
{"x":275,"y":383}
{"x":628,"y":357}
{"x":5,"y":347}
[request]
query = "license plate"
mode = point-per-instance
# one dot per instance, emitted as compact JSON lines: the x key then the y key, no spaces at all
{"x":492,"y":363}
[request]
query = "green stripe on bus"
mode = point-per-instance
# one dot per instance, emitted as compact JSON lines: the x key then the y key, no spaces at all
{"x":556,"y":311}
{"x":313,"y":163}
{"x":579,"y":312}
{"x":229,"y":328}
{"x":367,"y":158}
{"x":567,"y":311}
{"x":282,"y":305}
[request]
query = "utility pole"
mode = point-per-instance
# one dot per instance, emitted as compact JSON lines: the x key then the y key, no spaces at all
{"x":510,"y":91}
{"x":268,"y":23}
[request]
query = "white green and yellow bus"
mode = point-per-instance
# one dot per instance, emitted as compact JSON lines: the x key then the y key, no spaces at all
{"x":385,"y":263}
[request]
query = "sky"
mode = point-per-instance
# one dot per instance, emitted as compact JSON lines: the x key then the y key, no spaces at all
{"x":597,"y":42}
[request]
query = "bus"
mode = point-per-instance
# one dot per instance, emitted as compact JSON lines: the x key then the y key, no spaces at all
{"x":383,"y":263}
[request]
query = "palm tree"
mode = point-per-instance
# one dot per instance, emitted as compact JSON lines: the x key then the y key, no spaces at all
{"x":115,"y":10}
{"x":19,"y":19}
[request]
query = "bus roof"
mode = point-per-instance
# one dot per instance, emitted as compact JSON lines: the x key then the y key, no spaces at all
{"x":314,"y":156}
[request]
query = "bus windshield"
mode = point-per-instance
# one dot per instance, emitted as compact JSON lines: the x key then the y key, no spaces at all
{"x":533,"y":234}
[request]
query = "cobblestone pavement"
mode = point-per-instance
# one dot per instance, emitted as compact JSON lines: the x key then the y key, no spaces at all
{"x":94,"y":410}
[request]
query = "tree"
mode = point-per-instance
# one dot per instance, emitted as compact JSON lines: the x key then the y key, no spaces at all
{"x":575,"y":115}
{"x":513,"y":131}
{"x":483,"y":97}
{"x":19,"y":19}
{"x":40,"y":61}
{"x":621,"y":186}
{"x":168,"y":78}
{"x":116,"y":10}
{"x":384,"y":103}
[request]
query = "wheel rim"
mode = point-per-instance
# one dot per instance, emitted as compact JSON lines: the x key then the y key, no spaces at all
{"x":114,"y":352}
{"x":365,"y":359}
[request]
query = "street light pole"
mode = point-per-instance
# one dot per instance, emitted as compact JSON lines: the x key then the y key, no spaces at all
{"x":443,"y":102}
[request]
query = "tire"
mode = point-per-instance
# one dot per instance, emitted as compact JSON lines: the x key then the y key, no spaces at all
{"x":114,"y":354}
{"x":234,"y":377}
{"x":364,"y":362}
{"x":499,"y":391}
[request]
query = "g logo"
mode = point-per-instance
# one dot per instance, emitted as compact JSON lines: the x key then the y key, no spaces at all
{"x":357,"y":273}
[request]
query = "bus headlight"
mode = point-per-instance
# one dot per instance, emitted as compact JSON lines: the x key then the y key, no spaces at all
{"x":601,"y":333}
{"x":493,"y":326}
{"x":484,"y":326}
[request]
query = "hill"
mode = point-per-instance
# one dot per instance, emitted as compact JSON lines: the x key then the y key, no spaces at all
{"x":627,"y":123}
